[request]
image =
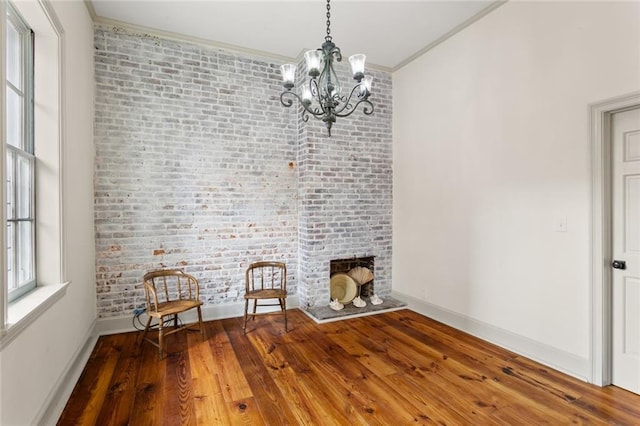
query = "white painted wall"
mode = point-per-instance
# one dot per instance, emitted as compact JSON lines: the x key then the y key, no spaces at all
{"x":491,"y":150}
{"x":38,"y":361}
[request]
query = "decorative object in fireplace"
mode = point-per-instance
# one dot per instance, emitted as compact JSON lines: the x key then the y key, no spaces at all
{"x":351,"y":266}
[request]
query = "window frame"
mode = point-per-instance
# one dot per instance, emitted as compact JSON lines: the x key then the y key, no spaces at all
{"x":24,"y":152}
{"x":49,"y":139}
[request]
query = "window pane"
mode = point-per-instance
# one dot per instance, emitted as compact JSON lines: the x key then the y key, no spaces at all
{"x":24,"y":187}
{"x":11,"y":255}
{"x":14,"y":59}
{"x":20,"y":163}
{"x":10,"y":184}
{"x":25,"y":252}
{"x":14,"y":118}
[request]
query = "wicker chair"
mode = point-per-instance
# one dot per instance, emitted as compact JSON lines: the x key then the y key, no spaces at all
{"x":265,"y":280}
{"x":170,"y":292}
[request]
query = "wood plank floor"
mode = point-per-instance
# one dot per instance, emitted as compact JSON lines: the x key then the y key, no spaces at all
{"x":395,"y":368}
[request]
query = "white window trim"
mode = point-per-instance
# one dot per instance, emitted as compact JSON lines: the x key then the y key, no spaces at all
{"x":51,"y":257}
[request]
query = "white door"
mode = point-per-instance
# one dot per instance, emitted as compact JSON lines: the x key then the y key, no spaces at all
{"x":626,"y":248}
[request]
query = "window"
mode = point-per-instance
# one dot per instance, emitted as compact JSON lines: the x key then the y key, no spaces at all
{"x":31,"y":102}
{"x":20,"y":159}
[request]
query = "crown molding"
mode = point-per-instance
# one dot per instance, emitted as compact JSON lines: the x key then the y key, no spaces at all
{"x":156,"y":33}
{"x":92,"y":11}
{"x":496,"y":4}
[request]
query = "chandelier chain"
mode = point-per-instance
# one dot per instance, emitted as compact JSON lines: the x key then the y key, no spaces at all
{"x":328,"y":37}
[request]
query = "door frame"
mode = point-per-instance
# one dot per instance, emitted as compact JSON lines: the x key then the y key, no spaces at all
{"x":600,"y":115}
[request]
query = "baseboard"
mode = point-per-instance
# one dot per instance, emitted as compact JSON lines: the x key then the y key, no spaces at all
{"x":563,"y":361}
{"x":124,"y":324}
{"x":61,"y":391}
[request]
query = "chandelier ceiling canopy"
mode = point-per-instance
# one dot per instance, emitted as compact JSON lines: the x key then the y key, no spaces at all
{"x":323,"y":96}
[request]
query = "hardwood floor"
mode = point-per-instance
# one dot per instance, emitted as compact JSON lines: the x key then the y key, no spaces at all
{"x":394,"y":368}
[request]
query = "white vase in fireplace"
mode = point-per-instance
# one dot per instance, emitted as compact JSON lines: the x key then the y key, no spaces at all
{"x":335,"y":305}
{"x":359,"y":303}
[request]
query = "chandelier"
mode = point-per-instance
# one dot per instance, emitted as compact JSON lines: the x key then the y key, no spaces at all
{"x":323,"y":97}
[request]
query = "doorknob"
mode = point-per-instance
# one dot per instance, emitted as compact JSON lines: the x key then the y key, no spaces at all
{"x":619,"y":264}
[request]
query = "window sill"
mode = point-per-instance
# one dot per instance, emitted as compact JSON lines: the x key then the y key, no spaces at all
{"x":27,"y":309}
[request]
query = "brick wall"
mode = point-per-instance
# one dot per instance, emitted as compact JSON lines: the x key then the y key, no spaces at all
{"x":199,"y":166}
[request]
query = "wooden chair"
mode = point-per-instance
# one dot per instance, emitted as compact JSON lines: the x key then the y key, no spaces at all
{"x":265,"y":280}
{"x":170,"y":292}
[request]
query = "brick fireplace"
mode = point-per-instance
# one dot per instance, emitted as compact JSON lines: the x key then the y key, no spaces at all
{"x":345,"y":189}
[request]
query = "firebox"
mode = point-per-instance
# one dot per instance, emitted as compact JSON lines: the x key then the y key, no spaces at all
{"x":345,"y":265}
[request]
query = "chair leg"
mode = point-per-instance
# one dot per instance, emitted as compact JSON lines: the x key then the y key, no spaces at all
{"x":246,"y":310}
{"x":160,"y":338}
{"x":146,"y":329}
{"x":255,"y":305}
{"x":283,"y":303}
{"x":200,"y":321}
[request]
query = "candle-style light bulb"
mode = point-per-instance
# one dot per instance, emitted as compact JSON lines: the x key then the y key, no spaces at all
{"x":306,"y":95}
{"x":288,"y":75}
{"x":314,"y":60}
{"x":357,"y":65}
{"x":368,"y":81}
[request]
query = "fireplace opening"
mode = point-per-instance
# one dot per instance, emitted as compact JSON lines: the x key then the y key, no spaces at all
{"x":343,"y":266}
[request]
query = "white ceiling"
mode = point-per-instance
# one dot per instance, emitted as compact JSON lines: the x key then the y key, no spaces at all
{"x":388,"y":32}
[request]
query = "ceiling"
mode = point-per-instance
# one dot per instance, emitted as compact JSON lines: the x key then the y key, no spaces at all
{"x":390,"y":33}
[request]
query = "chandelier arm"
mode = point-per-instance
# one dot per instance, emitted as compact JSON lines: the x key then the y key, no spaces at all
{"x":336,"y":53}
{"x":315,"y":112}
{"x":347,"y":102}
{"x":367,"y":109}
{"x":313,"y":87}
{"x":288,"y":102}
{"x":315,"y":92}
